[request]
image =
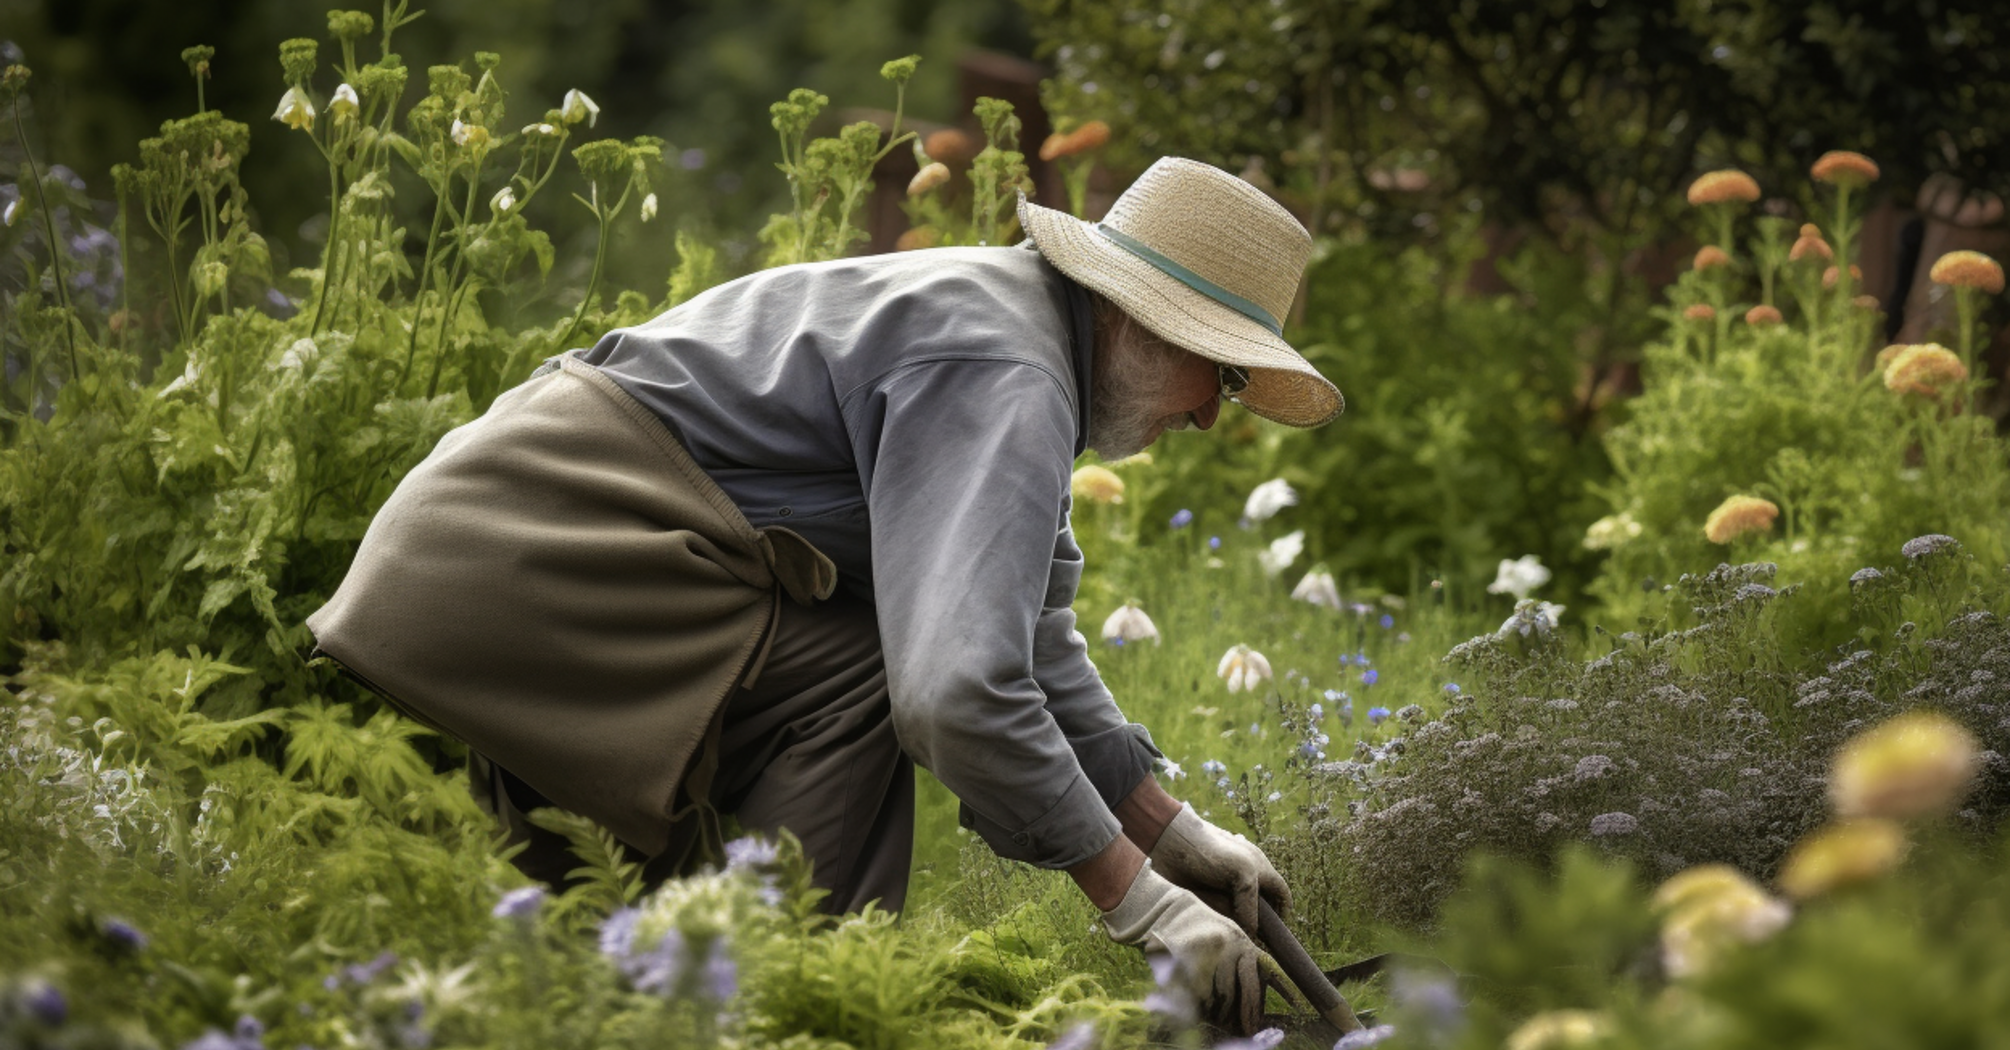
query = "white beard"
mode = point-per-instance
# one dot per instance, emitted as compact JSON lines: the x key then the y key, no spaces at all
{"x":1134,"y":371}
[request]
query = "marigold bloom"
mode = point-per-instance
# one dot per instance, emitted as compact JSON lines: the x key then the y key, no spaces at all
{"x":1093,"y":135}
{"x":1242,"y":668}
{"x":931,"y":175}
{"x":1710,"y":255}
{"x":1918,"y":764}
{"x":1700,"y":312}
{"x":1130,"y":624}
{"x":1832,"y":274}
{"x":1841,"y":855}
{"x":1928,"y":369}
{"x":1718,"y":187}
{"x":1762,"y":314}
{"x":1968,"y":269}
{"x":1552,"y":1029}
{"x":295,"y":110}
{"x":1841,"y":167}
{"x":1097,"y":484}
{"x":1810,"y":245}
{"x":1738,"y":516}
{"x":1318,"y":588}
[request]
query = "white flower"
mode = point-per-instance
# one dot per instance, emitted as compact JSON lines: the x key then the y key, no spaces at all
{"x":1269,"y":498}
{"x":1282,"y":552}
{"x":1317,"y":587}
{"x":1611,"y":531}
{"x":648,"y":207}
{"x":1171,"y":769}
{"x":295,"y":110}
{"x":345,"y":104}
{"x":1130,"y":624}
{"x":504,"y":201}
{"x":1519,"y":577}
{"x":1242,"y":667}
{"x":7,"y":217}
{"x":469,"y":135}
{"x":1531,"y":616}
{"x":539,"y":129}
{"x":578,"y":107}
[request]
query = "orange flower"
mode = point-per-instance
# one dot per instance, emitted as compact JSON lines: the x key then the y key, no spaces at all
{"x":1830,"y":275}
{"x":1093,"y":135}
{"x":929,"y":177}
{"x":1842,"y":167}
{"x":1740,"y":515}
{"x":950,"y":146}
{"x":1718,"y":187}
{"x":1700,"y":312}
{"x":1967,"y":269}
{"x":1810,"y":245}
{"x":1865,"y":302}
{"x":1761,"y":315}
{"x":1710,"y":255}
{"x":917,"y":237}
{"x":1928,"y":369}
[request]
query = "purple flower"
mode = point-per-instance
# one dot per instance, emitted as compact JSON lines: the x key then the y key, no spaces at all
{"x":46,"y":1003}
{"x":1388,"y":621}
{"x":750,"y":851}
{"x":1606,"y":824}
{"x":1377,"y":714}
{"x":1080,"y":1037}
{"x":1263,"y":1040}
{"x":722,"y":978}
{"x":1370,"y":677}
{"x":657,"y":971}
{"x":1318,"y":711}
{"x":249,"y":1029}
{"x":1182,"y":518}
{"x":364,"y":973}
{"x":211,"y":1039}
{"x":1453,"y":688}
{"x":1214,"y":543}
{"x":520,"y":904}
{"x":122,"y":933}
{"x":1365,"y":1037}
{"x":617,"y":933}
{"x":1213,"y":767}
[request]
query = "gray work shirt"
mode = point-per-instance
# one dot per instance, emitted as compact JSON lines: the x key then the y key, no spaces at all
{"x":916,"y":416}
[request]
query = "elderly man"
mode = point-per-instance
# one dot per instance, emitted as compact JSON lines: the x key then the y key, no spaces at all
{"x":753,"y":557}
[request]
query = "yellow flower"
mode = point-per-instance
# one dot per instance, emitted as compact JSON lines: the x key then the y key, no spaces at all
{"x":1885,"y":355}
{"x":1843,"y":167}
{"x":1700,"y":312}
{"x":1707,"y":910}
{"x":1092,"y":135}
{"x":1810,"y":245}
{"x":1967,"y":269}
{"x":1928,"y":369}
{"x":1740,"y":515}
{"x":1841,"y":855}
{"x":468,"y":136}
{"x":931,"y":175}
{"x":295,"y":110}
{"x":1718,"y":187}
{"x":1917,"y":764}
{"x":1763,"y":315}
{"x":1559,"y":1028}
{"x":1830,"y":275}
{"x":1098,"y":484}
{"x":1710,"y":255}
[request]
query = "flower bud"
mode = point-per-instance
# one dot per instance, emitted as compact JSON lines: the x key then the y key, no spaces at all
{"x":1719,"y":187}
{"x":648,"y":207}
{"x":1700,"y":312}
{"x":931,"y":175}
{"x":577,"y":107}
{"x":1968,"y":269}
{"x":504,"y":201}
{"x":1710,"y":255}
{"x":1762,"y":315}
{"x":1841,"y":167}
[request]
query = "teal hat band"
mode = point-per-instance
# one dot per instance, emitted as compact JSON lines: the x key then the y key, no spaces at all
{"x":1192,"y":280}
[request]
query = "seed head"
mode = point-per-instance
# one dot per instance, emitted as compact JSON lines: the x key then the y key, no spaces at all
{"x":1710,"y":255}
{"x":198,"y":58}
{"x":1928,"y":369}
{"x":1968,"y":269}
{"x":931,"y":176}
{"x":1841,"y":167}
{"x":1097,"y":484}
{"x":1700,"y":312}
{"x":1739,"y":516}
{"x":1719,"y":187}
{"x":1810,"y":245}
{"x":1761,"y":315}
{"x":1918,"y":764}
{"x":1093,"y":135}
{"x":1843,"y":854}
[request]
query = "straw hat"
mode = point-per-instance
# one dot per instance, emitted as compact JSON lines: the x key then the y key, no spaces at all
{"x":1210,"y":264}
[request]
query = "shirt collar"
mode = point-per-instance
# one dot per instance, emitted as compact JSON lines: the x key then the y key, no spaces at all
{"x":1082,"y":340}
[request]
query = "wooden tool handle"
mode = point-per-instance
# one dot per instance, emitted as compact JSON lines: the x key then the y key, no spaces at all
{"x":1304,"y":973}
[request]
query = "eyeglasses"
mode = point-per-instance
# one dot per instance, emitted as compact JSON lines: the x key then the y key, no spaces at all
{"x":1234,"y":380}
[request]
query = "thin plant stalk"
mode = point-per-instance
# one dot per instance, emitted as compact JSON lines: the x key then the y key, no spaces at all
{"x":425,"y":271}
{"x":331,"y":261}
{"x":55,"y":246}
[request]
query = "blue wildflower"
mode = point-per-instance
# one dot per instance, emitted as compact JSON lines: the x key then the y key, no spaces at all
{"x":656,"y":972}
{"x":1318,"y":711}
{"x":1214,"y":543}
{"x":722,"y":977}
{"x":1213,"y":768}
{"x":1370,"y":677}
{"x":1377,"y":714}
{"x":1453,"y":688}
{"x":750,"y":851}
{"x":617,"y":933}
{"x":1273,"y":796}
{"x":1388,"y":621}
{"x":1362,"y":1038}
{"x":123,"y":934}
{"x":364,"y":973}
{"x":1182,"y":518}
{"x":1222,"y":783}
{"x":520,"y":904}
{"x":1310,"y":751}
{"x":1264,"y":1040}
{"x":1347,"y":712}
{"x":46,"y":1004}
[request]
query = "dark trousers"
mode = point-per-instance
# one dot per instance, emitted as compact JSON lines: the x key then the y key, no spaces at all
{"x":809,"y":748}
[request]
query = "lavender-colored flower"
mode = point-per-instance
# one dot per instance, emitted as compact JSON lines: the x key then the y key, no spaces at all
{"x":123,"y":934}
{"x":750,"y":851}
{"x":1214,"y":543}
{"x":656,"y":972}
{"x":1317,"y":711}
{"x":722,"y":977}
{"x":1612,"y":824}
{"x":1365,"y":1037}
{"x":249,"y":1029}
{"x":691,"y":159}
{"x":364,"y":973}
{"x":1080,"y":1037}
{"x":1263,"y":1040}
{"x":1370,"y":677}
{"x":1388,"y":621}
{"x":1213,"y":768}
{"x":1929,"y":544}
{"x":45,"y":1003}
{"x":520,"y":904}
{"x":1377,"y":714}
{"x":1182,"y":518}
{"x":617,"y":933}
{"x":1453,"y":688}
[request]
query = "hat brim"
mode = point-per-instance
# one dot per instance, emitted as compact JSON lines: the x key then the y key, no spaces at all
{"x":1283,"y":386}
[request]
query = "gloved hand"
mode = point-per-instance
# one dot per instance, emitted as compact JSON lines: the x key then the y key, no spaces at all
{"x":1217,"y":964}
{"x":1201,"y":857}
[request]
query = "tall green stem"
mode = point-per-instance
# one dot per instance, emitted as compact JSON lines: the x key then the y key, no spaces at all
{"x":55,"y":244}
{"x":331,"y":257}
{"x":425,"y":271}
{"x":592,"y":282}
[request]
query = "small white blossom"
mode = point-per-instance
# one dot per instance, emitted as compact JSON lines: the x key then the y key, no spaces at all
{"x":1242,"y":667}
{"x":1518,"y":577}
{"x":1282,"y":552}
{"x":1130,"y":624}
{"x":539,"y":129}
{"x":1318,"y":588}
{"x":469,"y":135}
{"x":1171,"y":769}
{"x":295,"y":110}
{"x":7,"y":217}
{"x":1269,"y":498}
{"x":345,"y":104}
{"x":648,"y":207}
{"x":1532,"y":617}
{"x":578,"y":107}
{"x":1611,"y":531}
{"x":504,"y":201}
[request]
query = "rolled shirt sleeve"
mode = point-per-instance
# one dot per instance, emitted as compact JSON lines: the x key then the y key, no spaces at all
{"x":966,"y":465}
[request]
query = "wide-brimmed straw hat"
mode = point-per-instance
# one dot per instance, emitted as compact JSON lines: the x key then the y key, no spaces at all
{"x":1208,"y":263}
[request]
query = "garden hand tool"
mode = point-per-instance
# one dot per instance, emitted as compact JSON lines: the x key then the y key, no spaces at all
{"x":1319,"y":991}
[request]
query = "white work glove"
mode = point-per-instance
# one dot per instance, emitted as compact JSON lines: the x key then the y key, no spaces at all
{"x":1217,"y":964}
{"x":1201,"y":857}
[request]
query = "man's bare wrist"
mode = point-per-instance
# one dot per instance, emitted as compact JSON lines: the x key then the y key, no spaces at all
{"x":1107,"y":876}
{"x":1145,"y":812}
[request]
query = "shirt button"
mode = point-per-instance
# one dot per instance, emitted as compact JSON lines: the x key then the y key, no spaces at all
{"x":785,"y":512}
{"x":1022,"y":838}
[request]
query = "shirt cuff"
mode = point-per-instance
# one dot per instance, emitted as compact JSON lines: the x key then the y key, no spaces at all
{"x":1080,"y":825}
